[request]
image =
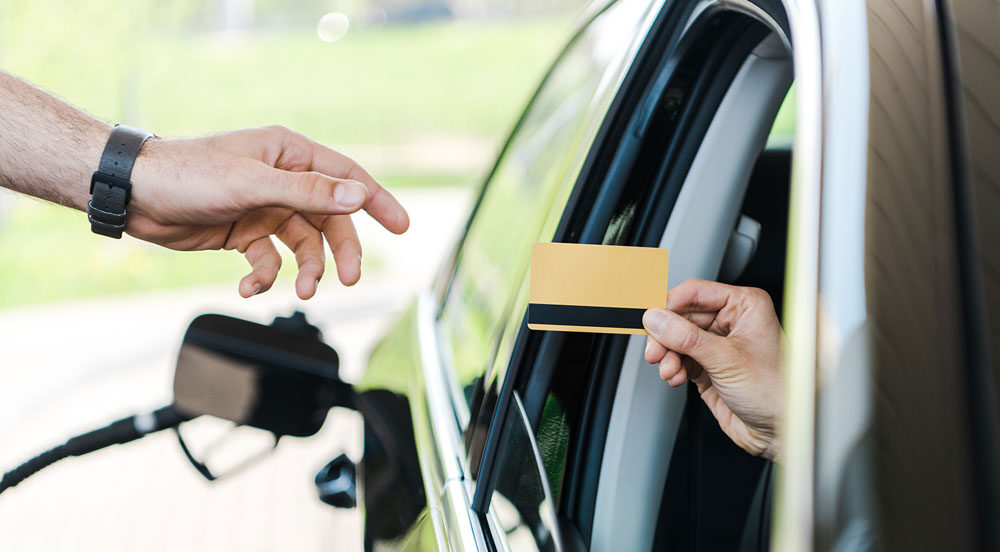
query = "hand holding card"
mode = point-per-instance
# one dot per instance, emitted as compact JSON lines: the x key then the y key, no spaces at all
{"x":595,"y":288}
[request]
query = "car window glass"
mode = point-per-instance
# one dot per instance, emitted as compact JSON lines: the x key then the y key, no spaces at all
{"x":531,"y":181}
{"x":560,"y":411}
{"x":523,"y":500}
{"x":553,"y":434}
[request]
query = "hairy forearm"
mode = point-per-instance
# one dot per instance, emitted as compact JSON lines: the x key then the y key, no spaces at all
{"x":48,"y":148}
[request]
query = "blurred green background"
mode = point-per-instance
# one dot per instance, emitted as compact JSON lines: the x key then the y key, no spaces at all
{"x":421,"y":93}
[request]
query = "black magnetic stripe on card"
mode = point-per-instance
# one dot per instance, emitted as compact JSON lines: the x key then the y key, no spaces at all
{"x":579,"y":315}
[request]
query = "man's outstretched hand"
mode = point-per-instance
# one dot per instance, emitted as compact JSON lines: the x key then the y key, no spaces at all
{"x":228,"y":191}
{"x":728,"y":341}
{"x":234,"y":190}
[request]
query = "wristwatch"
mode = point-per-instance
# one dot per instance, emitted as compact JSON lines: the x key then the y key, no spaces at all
{"x":111,"y":187}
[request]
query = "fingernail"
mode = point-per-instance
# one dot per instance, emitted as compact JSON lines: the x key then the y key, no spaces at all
{"x":255,"y":289}
{"x":654,"y":319}
{"x":648,"y":345}
{"x":316,"y":284}
{"x":349,"y":195}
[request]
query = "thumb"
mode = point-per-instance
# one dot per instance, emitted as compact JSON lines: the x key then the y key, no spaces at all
{"x":311,"y":192}
{"x":679,"y":334}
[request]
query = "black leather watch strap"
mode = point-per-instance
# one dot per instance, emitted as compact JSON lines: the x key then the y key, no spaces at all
{"x":111,"y":187}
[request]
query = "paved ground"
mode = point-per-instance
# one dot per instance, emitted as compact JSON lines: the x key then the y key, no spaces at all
{"x":55,"y":382}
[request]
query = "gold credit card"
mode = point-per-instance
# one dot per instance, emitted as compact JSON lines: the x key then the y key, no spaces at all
{"x":595,"y":288}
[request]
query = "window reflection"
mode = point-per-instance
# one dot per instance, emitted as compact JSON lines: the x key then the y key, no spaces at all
{"x":523,"y":501}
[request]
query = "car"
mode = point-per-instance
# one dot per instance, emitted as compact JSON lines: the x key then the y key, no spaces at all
{"x":874,"y":231}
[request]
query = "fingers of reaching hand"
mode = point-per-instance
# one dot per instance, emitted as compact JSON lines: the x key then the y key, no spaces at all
{"x":305,"y":241}
{"x":317,"y":192}
{"x":307,"y":192}
{"x":252,"y":236}
{"x":386,"y":209}
{"x":265,"y":262}
{"x":344,"y":244}
{"x":381,"y":205}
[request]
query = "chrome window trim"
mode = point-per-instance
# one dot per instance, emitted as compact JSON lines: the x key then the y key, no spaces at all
{"x":462,"y":414}
{"x":793,"y":521}
{"x":461,"y":530}
{"x":439,"y":405}
{"x":843,"y":353}
{"x":450,"y":504}
{"x":493,"y":521}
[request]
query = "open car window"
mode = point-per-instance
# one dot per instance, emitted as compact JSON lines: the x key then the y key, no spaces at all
{"x":592,"y":440}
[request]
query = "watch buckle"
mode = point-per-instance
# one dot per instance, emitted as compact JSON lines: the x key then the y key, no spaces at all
{"x":111,"y":180}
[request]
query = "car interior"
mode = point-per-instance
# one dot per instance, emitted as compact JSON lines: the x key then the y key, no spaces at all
{"x":713,"y":473}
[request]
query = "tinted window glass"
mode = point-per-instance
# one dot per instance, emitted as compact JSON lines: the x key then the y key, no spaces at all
{"x":570,"y":358}
{"x":523,"y":501}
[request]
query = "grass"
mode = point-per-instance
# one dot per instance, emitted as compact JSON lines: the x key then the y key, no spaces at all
{"x":429,"y":180}
{"x":389,"y":85}
{"x":47,"y":253}
{"x":384,"y":85}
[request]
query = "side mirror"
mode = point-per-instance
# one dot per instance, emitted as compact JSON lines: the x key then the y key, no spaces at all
{"x":281,"y":378}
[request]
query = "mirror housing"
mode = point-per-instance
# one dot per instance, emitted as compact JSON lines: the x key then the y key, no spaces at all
{"x":280,"y":377}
